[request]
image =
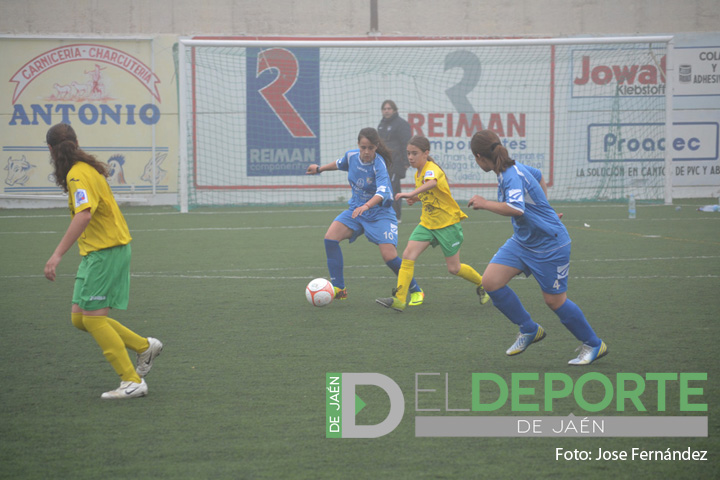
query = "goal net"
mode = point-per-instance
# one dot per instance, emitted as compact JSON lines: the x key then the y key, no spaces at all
{"x":592,"y":114}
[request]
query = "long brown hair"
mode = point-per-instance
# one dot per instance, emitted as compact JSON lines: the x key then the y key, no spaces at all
{"x":424,"y":145}
{"x":372,"y":135}
{"x":65,"y":153}
{"x":487,"y":144}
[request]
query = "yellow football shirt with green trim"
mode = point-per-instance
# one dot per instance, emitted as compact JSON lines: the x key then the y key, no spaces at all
{"x":88,"y":189}
{"x":440,"y":209}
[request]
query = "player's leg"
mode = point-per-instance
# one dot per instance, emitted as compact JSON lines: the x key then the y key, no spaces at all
{"x":105,"y":283}
{"x":422,"y":237}
{"x":574,"y":320}
{"x":450,"y":240}
{"x":146,"y":347}
{"x":572,"y":317}
{"x":504,"y":266}
{"x":413,"y":250}
{"x":337,"y":232}
{"x":552,"y":275}
{"x":96,"y":323}
{"x":495,"y":280}
{"x":76,"y":316}
{"x":466,"y":272}
{"x":378,"y":232}
{"x":462,"y":270}
{"x":389,"y":254}
{"x":131,"y":384}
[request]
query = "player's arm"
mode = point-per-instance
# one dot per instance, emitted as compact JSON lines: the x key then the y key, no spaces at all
{"x":382,"y":191}
{"x":413,"y":196}
{"x":77,"y":226}
{"x":315,"y":169}
{"x":543,"y":185}
{"x":481,"y":203}
{"x":376,"y":200}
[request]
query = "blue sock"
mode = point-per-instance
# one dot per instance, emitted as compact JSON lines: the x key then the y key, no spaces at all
{"x":574,"y":320}
{"x":335,"y":263}
{"x":509,"y":304}
{"x":394,"y":265}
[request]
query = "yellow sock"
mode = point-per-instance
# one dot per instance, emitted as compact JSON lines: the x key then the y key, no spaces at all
{"x":470,"y":274}
{"x":405,"y":275}
{"x":132,"y":340}
{"x":112,"y":346}
{"x":77,"y":321}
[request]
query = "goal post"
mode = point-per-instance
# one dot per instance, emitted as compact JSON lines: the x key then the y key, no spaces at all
{"x":593,"y":114}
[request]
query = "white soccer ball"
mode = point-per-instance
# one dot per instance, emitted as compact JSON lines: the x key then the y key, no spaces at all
{"x":319,"y":292}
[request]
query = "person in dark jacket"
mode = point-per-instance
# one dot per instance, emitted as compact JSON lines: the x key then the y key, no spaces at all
{"x":395,"y":132}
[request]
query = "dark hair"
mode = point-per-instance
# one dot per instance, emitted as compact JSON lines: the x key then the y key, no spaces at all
{"x":372,"y":135}
{"x":65,"y":153}
{"x":424,"y":144}
{"x":391,"y":103}
{"x":487,"y":144}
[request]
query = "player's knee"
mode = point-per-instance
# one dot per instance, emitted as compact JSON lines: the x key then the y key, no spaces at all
{"x":490,"y":284}
{"x":388,"y":256}
{"x":554,"y":301}
{"x":453,"y":269}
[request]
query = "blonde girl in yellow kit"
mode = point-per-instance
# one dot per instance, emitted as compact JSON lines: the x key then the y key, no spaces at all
{"x":103,"y":277}
{"x":439,"y":225}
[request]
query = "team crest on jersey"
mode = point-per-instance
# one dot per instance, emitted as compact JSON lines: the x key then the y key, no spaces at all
{"x":563,"y":271}
{"x":515,"y":195}
{"x":81,"y":198}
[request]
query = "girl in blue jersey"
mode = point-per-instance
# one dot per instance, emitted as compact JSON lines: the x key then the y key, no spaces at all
{"x":539,"y":246}
{"x":370,"y":209}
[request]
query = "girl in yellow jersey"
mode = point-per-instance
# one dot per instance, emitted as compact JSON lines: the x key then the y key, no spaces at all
{"x":439,"y":225}
{"x":103,"y":277}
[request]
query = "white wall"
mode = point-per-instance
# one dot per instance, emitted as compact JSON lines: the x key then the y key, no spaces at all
{"x":345,"y":17}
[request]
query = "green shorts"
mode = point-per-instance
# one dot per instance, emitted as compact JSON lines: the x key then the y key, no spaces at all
{"x":449,"y":238}
{"x":103,"y":279}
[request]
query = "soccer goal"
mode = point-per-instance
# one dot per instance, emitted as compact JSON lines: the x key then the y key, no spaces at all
{"x":592,"y":113}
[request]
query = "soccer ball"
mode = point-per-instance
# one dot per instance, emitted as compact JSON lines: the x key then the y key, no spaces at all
{"x":319,"y":292}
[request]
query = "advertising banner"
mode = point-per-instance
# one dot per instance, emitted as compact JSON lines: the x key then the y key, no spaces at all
{"x":115,"y":93}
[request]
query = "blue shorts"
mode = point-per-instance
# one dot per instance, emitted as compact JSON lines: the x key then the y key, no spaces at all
{"x":380,"y":226}
{"x":550,"y":269}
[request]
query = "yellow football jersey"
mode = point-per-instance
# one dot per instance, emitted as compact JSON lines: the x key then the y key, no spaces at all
{"x":89,"y":189}
{"x":440,"y":209}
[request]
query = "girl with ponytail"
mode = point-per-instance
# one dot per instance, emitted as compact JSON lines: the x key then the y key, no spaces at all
{"x":439,"y":225}
{"x":102,"y":281}
{"x":540,"y":246}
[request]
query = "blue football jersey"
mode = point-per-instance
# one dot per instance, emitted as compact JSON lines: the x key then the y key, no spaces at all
{"x":366,"y":179}
{"x":538,"y":228}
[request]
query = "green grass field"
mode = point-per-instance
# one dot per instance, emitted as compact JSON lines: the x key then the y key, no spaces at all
{"x":239,"y":391}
